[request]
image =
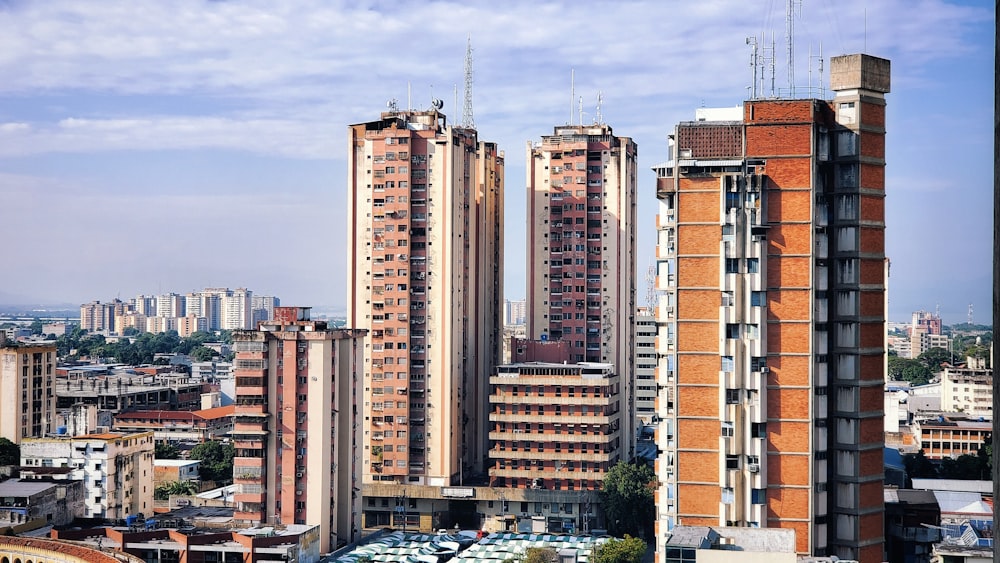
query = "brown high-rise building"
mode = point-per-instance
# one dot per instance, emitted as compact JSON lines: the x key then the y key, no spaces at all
{"x":425,"y":220}
{"x":294,"y":428}
{"x":771,"y":258}
{"x":581,"y":250}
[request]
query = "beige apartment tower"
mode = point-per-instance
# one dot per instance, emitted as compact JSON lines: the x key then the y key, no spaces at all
{"x":425,"y":216}
{"x":771,"y":257}
{"x":27,"y":385}
{"x":581,"y":250}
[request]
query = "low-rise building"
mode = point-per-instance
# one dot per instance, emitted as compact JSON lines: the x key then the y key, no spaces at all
{"x":943,"y":437}
{"x":718,"y":544}
{"x":173,"y":426}
{"x":54,"y":503}
{"x":117,"y":469}
{"x":171,"y":470}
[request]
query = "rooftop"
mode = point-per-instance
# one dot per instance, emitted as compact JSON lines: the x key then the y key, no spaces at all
{"x":19,"y":488}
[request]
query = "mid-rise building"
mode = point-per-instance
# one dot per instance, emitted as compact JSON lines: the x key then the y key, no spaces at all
{"x":771,"y":260}
{"x":116,"y":468}
{"x":425,"y":218}
{"x":645,"y":365}
{"x":581,"y":248}
{"x":968,"y":389}
{"x":27,"y":386}
{"x":556,"y":427}
{"x":296,"y":429}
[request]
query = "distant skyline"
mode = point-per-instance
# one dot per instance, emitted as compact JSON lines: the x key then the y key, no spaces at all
{"x":169,"y":145}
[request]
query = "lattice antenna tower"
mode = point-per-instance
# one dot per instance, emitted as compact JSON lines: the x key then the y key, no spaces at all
{"x":468,"y":121}
{"x":970,"y":314}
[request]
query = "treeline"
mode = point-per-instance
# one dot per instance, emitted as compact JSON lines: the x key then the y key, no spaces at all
{"x":921,"y":369}
{"x":141,"y":348}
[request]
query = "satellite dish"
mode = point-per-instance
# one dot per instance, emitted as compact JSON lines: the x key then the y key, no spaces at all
{"x":437,"y":103}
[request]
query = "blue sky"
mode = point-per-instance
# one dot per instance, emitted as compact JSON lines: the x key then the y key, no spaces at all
{"x":172,"y":145}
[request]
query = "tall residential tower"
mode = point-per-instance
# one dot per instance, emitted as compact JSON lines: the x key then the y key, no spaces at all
{"x":581,"y":249}
{"x":771,"y":257}
{"x":425,"y":217}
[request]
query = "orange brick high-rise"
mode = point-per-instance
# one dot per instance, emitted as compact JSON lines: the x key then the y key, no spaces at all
{"x":771,"y":257}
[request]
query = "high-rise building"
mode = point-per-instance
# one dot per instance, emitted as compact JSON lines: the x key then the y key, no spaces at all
{"x":100,"y":317}
{"x":645,"y":365}
{"x":295,"y":425}
{"x":581,"y":248}
{"x":515,"y":312}
{"x":263,"y":308}
{"x":771,"y":260}
{"x":425,"y":216}
{"x":27,"y":385}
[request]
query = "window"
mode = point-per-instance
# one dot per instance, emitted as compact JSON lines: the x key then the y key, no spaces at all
{"x":758,"y":430}
{"x":727,"y":429}
{"x":732,"y":265}
{"x":758,"y":298}
{"x":758,"y":496}
{"x":728,"y":364}
{"x":753,"y":265}
{"x":732,"y":396}
{"x":732,"y":331}
{"x":728,"y":495}
{"x":732,"y":461}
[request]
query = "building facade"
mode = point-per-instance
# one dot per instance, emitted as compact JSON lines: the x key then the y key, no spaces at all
{"x":645,"y":365}
{"x":27,"y":385}
{"x":968,"y":389}
{"x":425,"y":219}
{"x":116,"y":468}
{"x":581,"y":248}
{"x":771,"y":260}
{"x":294,"y":425}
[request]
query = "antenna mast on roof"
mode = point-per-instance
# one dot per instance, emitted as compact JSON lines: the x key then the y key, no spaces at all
{"x":467,"y":119}
{"x":790,"y":40}
{"x":752,"y":41}
{"x":600,"y":101}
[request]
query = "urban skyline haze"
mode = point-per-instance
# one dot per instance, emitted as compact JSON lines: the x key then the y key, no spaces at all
{"x":156,"y":146}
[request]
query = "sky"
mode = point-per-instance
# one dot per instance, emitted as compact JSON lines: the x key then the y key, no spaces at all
{"x":167,"y":146}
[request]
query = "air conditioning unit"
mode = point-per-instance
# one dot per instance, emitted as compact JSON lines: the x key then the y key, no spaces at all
{"x":765,"y":369}
{"x":753,"y":467}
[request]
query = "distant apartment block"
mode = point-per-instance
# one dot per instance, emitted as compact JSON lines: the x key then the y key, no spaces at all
{"x":206,"y":310}
{"x":425,"y":220}
{"x":515,"y":312}
{"x":27,"y":389}
{"x":771,"y":260}
{"x":297,"y":429}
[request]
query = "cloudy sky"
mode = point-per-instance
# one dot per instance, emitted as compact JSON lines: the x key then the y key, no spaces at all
{"x":157,"y":146}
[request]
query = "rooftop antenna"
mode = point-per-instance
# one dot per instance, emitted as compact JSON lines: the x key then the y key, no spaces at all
{"x":393,"y":105}
{"x":790,"y":40}
{"x":572,"y":93}
{"x":752,"y":41}
{"x":970,"y":314}
{"x":600,"y":101}
{"x":468,"y":121}
{"x":580,"y":106}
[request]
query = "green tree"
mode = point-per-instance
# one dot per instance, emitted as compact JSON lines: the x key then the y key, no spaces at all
{"x":919,"y":467}
{"x":934,"y":357}
{"x":905,"y":369}
{"x":627,"y":498}
{"x":216,"y":461}
{"x":628,"y":550}
{"x":166,"y":450}
{"x":202,"y":354}
{"x":36,"y":326}
{"x":182,"y":488}
{"x":540,"y":555}
{"x":10,"y":453}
